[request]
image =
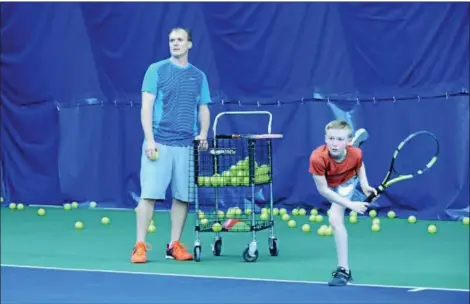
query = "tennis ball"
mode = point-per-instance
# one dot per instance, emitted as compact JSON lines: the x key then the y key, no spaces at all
{"x":248,"y":211}
{"x":1,"y":199}
{"x":105,"y":220}
{"x":285,"y":217}
{"x":372,"y":213}
{"x":306,"y":228}
{"x":154,"y":157}
{"x":391,"y":214}
{"x":264,"y":216}
{"x":238,"y":211}
{"x":313,"y":212}
{"x":322,"y":230}
{"x":12,"y":206}
{"x":291,"y":224}
{"x":67,"y":207}
{"x":78,"y":225}
{"x":92,"y":204}
{"x":302,"y":211}
{"x":312,"y":218}
{"x":353,"y":213}
{"x":295,"y":212}
{"x":375,"y":227}
{"x":204,"y":221}
{"x":319,"y":218}
{"x":20,"y":206}
{"x":329,"y":231}
{"x":432,"y":229}
{"x":275,"y":211}
{"x":376,"y":221}
{"x":152,"y":228}
{"x":264,"y":210}
{"x":282,"y":211}
{"x":74,"y":205}
{"x":412,"y":219}
{"x":41,"y":212}
{"x":353,"y":219}
{"x":220,"y":214}
{"x":466,"y":221}
{"x":216,"y":227}
{"x":328,"y":212}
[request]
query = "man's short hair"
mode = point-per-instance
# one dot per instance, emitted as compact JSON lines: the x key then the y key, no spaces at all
{"x":188,"y":32}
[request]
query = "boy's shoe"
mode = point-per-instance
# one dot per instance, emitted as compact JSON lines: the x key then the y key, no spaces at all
{"x":139,"y":254}
{"x":341,"y":277}
{"x":360,"y":136}
{"x":177,"y":252}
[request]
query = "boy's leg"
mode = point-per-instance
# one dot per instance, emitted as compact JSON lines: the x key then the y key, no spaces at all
{"x":342,"y":275}
{"x":180,"y":204}
{"x":154,"y":179}
{"x":360,"y":136}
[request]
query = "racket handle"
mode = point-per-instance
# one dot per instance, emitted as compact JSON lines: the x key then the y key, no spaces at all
{"x":370,"y":198}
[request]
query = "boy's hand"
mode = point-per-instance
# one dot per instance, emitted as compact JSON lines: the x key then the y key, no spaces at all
{"x":368,"y":190}
{"x":359,"y":207}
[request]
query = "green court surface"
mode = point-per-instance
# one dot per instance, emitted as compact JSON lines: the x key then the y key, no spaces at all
{"x":401,"y":254}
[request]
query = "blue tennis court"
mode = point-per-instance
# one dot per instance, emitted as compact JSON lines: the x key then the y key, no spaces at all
{"x":55,"y":285}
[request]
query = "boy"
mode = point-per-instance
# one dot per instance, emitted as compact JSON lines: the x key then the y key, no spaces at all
{"x":337,"y":168}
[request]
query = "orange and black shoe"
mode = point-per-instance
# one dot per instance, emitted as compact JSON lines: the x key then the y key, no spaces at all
{"x":139,"y":254}
{"x":177,"y":252}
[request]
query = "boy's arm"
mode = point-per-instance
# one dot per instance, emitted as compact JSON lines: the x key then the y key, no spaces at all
{"x":366,"y":188}
{"x":330,"y":195}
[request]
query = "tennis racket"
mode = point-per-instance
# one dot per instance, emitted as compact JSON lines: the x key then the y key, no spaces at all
{"x":415,"y":155}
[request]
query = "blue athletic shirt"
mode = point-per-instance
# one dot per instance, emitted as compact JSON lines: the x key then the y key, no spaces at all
{"x":179,"y":91}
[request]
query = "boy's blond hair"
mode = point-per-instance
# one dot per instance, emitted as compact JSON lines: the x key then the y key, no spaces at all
{"x":339,"y":125}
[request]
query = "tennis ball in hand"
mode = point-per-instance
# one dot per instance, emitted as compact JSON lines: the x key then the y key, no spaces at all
{"x":154,"y":156}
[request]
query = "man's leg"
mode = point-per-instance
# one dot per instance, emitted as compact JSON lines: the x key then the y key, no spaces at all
{"x":360,"y":136}
{"x":180,"y":204}
{"x":154,"y":179}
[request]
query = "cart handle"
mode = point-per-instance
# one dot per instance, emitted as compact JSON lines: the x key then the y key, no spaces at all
{"x":214,"y":128}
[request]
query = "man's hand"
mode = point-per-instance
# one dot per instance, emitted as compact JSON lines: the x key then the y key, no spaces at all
{"x":203,"y":145}
{"x":151,"y":150}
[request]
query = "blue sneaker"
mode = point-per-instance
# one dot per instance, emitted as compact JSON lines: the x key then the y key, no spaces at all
{"x":341,"y":277}
{"x":360,"y":136}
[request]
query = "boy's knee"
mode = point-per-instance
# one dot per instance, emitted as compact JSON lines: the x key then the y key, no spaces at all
{"x":335,"y":220}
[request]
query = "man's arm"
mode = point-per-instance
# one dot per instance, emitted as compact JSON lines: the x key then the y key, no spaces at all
{"x":146,"y":115}
{"x":149,"y":92}
{"x":330,"y":195}
{"x":204,"y":119}
{"x":204,"y":113}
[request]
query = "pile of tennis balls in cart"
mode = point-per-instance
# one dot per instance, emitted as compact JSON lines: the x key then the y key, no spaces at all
{"x":237,"y":175}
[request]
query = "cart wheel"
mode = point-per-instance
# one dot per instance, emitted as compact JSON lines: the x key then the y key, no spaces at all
{"x":197,"y":253}
{"x":216,"y":250}
{"x":273,"y":249}
{"x":250,"y":258}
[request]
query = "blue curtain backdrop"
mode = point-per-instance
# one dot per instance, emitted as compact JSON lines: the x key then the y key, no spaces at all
{"x":71,"y":76}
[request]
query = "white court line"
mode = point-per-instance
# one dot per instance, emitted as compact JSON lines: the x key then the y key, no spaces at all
{"x":223,"y":278}
{"x":417,"y":289}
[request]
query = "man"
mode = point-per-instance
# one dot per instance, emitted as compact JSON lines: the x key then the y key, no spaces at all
{"x":337,"y":167}
{"x":175,"y":97}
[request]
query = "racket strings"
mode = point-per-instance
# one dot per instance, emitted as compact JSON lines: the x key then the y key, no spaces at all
{"x":415,"y":154}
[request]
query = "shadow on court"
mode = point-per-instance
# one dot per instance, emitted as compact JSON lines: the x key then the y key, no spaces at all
{"x":33,"y":285}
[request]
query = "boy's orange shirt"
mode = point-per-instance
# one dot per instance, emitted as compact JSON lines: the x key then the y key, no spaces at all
{"x":321,"y":163}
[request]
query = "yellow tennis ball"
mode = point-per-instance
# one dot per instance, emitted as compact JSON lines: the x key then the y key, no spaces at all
{"x":353,"y":219}
{"x":93,"y":205}
{"x":372,"y":213}
{"x":312,"y":218}
{"x":20,"y":206}
{"x":295,"y":212}
{"x":78,"y":225}
{"x":152,"y":228}
{"x":329,"y":231}
{"x":466,"y":221}
{"x":375,"y":227}
{"x":353,"y":213}
{"x":376,"y":221}
{"x":12,"y":206}
{"x":391,"y":214}
{"x":306,"y":228}
{"x":282,"y":211}
{"x":41,"y":212}
{"x":105,"y":220}
{"x":313,"y":212}
{"x":432,"y":229}
{"x":204,"y":221}
{"x":155,"y":156}
{"x":67,"y":207}
{"x":285,"y":217}
{"x":319,"y":218}
{"x":302,"y":211}
{"x":412,"y":219}
{"x":74,"y":205}
{"x":264,"y":216}
{"x":291,"y":224}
